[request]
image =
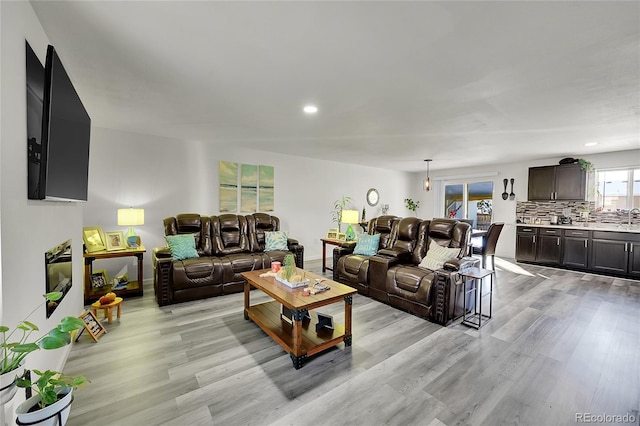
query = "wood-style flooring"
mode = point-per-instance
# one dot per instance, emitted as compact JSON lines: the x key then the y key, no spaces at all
{"x":561,"y":345}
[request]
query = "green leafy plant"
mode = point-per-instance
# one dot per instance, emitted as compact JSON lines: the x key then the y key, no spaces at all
{"x":288,"y":264}
{"x":412,"y":205}
{"x":15,"y":344}
{"x":338,"y":206}
{"x":47,"y":384}
{"x":585,"y":165}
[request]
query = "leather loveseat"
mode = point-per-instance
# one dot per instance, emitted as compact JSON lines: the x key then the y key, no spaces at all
{"x":227,"y":245}
{"x":353,"y":269}
{"x":395,"y":277}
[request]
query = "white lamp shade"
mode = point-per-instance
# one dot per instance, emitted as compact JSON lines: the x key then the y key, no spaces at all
{"x":130,"y":217}
{"x":350,"y":216}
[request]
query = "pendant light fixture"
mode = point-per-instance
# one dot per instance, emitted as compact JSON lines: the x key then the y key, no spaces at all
{"x":427,"y":180}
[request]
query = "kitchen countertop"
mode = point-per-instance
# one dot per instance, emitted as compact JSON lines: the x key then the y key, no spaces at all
{"x":591,"y":227}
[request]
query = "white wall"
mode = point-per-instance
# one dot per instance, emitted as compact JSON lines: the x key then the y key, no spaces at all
{"x":28,"y":228}
{"x":168,"y":176}
{"x":505,"y":210}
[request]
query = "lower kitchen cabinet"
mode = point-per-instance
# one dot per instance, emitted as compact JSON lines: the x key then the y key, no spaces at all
{"x":610,"y":252}
{"x":526,"y":243}
{"x":616,"y":252}
{"x":576,"y":248}
{"x":549,"y":246}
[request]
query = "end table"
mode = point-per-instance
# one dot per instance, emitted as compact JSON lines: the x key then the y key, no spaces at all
{"x":476,"y":319}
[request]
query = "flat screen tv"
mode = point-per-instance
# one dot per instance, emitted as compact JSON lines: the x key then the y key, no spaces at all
{"x":59,"y":162}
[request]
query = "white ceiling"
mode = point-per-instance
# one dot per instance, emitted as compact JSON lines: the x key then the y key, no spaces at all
{"x":463,"y":83}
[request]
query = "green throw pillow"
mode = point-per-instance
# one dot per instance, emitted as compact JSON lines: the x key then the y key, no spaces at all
{"x":367,"y":245}
{"x":275,"y":240}
{"x":182,"y":246}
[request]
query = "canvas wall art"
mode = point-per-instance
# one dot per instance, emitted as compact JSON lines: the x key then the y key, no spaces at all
{"x":248,"y":188}
{"x":228,"y":186}
{"x":265,"y":189}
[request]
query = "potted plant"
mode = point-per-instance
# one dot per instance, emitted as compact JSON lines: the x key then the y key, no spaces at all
{"x":15,"y":345}
{"x":412,"y":205}
{"x":338,"y":206}
{"x":51,"y":403}
{"x":586,"y":165}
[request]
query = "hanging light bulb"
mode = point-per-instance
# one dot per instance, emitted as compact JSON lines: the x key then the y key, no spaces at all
{"x":427,"y":179}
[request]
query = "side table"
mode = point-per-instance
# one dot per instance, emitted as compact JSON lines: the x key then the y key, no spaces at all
{"x":134,"y":288}
{"x":476,"y":319}
{"x":331,"y":241}
{"x":108,"y":308}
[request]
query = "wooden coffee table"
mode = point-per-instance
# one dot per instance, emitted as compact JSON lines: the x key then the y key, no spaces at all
{"x":299,"y":339}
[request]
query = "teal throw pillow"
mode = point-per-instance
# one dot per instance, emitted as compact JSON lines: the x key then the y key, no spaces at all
{"x":367,"y":245}
{"x":182,"y":246}
{"x":275,"y":240}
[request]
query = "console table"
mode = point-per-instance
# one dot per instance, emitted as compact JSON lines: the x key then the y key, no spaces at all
{"x":134,"y":288}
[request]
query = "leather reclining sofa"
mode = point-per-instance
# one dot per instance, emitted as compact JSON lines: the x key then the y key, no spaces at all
{"x":393,"y":276}
{"x":227,"y":245}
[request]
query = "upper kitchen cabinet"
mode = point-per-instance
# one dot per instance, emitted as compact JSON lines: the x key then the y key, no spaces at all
{"x":566,"y":182}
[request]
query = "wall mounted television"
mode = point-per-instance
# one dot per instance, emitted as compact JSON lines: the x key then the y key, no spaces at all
{"x":58,"y":155}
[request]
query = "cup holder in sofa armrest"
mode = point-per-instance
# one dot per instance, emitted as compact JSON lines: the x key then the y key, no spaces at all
{"x":402,"y":255}
{"x":161,"y":252}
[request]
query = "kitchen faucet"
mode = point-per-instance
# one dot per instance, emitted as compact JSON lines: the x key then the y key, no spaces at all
{"x":636,"y":210}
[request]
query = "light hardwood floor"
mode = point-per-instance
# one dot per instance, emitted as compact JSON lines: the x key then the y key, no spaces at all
{"x":561,"y":343}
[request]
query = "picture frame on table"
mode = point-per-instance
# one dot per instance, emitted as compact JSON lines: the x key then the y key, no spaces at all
{"x":115,"y":240}
{"x":332,"y":233}
{"x":99,"y":279}
{"x":342,"y":237}
{"x":94,"y":239}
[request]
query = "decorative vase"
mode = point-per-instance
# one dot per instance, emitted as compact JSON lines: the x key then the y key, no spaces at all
{"x":8,"y":386}
{"x":55,"y":414}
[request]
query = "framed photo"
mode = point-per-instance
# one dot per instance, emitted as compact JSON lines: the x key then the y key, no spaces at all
{"x":99,"y":279}
{"x":93,"y":239}
{"x":332,"y":233}
{"x":115,"y":240}
{"x":120,"y":282}
{"x":342,"y":237}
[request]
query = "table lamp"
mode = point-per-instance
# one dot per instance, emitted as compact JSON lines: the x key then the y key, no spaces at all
{"x":350,"y":217}
{"x":131,"y":217}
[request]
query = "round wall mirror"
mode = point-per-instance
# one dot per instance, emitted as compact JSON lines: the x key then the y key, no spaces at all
{"x":373,"y":197}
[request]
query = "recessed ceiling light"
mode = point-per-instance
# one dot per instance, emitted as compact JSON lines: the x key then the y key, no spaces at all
{"x":310,"y":109}
{"x":591,"y":144}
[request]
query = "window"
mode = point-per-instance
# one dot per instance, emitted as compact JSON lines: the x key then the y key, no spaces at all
{"x":618,"y":189}
{"x":469,"y":200}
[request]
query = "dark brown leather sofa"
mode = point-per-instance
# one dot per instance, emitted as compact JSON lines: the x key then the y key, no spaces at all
{"x":227,"y":245}
{"x":394,"y":276}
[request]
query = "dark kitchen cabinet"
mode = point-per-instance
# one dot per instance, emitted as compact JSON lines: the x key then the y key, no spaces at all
{"x":549,"y":246}
{"x":526,"y":243}
{"x":577,"y":247}
{"x":616,"y":252}
{"x":563,"y":182}
{"x":609,"y":252}
{"x":634,"y":259}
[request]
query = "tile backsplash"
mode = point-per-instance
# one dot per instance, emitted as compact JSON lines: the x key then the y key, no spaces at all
{"x":529,"y":211}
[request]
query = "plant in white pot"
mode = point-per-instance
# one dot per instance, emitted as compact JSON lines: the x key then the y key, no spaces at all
{"x":17,"y":343}
{"x":52,"y":402}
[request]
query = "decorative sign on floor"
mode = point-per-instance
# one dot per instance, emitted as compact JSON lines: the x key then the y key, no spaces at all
{"x":92,"y":325}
